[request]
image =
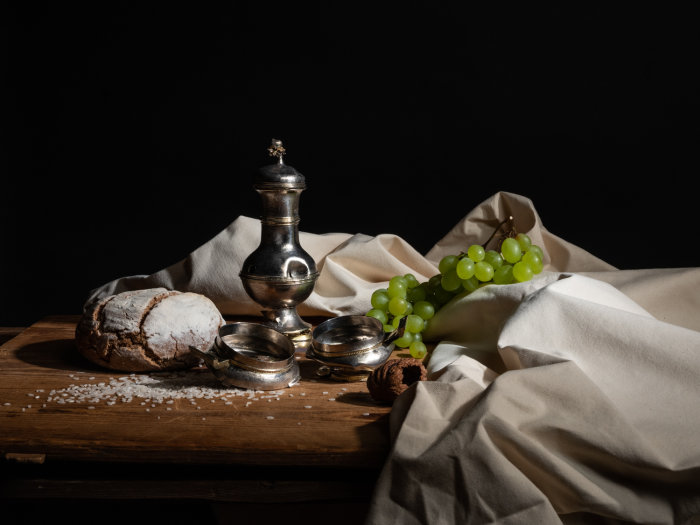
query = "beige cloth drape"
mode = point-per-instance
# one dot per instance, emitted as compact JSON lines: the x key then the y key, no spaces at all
{"x":572,"y":398}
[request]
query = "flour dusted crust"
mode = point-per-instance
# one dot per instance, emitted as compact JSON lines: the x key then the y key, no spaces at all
{"x":147,"y":330}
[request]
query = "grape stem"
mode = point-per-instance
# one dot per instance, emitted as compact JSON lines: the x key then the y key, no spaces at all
{"x":500,"y":224}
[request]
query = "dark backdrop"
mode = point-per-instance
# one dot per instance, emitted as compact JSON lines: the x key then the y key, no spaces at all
{"x":132,"y":131}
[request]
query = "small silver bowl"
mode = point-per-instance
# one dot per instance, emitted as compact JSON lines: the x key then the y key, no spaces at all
{"x":350,"y":347}
{"x":251,"y":355}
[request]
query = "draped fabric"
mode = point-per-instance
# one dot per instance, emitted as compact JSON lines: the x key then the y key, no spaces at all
{"x":570,"y":398}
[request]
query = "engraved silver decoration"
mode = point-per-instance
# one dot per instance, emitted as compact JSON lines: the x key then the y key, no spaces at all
{"x":279,"y":274}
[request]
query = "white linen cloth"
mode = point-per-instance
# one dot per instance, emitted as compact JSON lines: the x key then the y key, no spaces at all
{"x":571,"y":398}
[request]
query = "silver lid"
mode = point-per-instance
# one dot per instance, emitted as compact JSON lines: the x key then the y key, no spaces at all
{"x":278,"y":175}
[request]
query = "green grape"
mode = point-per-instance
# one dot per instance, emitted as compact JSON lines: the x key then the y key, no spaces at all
{"x":447,"y":263}
{"x":396,"y":321}
{"x":380,"y":299}
{"x":424,"y":309}
{"x":418,"y":350}
{"x":411,"y":281}
{"x":536,"y":249}
{"x":378,"y":314}
{"x":450,"y":281}
{"x":483,"y":271}
{"x":405,"y":340}
{"x":409,"y":308}
{"x":494,"y":258}
{"x":465,"y":268}
{"x":522,"y":271}
{"x":470,"y":284}
{"x":510,"y":249}
{"x":434,"y":282}
{"x":399,"y":279}
{"x":414,"y":323}
{"x":388,"y":328}
{"x":440,"y":296}
{"x":397,"y":287}
{"x":523,"y":241}
{"x":534,"y":261}
{"x":503,"y":275}
{"x":398,"y":306}
{"x":418,"y":293}
{"x":476,"y":252}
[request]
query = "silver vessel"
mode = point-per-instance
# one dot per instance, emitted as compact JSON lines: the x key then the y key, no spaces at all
{"x":279,"y":274}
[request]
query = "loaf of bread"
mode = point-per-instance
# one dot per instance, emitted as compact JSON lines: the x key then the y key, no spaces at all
{"x":147,"y":330}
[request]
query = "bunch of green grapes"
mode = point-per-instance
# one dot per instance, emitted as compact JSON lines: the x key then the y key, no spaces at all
{"x":518,"y":260}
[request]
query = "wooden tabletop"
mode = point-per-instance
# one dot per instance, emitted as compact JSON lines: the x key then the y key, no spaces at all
{"x":55,"y":405}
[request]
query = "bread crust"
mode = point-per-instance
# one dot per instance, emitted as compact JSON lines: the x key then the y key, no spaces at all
{"x":147,"y":330}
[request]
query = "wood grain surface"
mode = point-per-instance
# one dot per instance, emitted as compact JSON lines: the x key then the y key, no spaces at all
{"x":316,"y":423}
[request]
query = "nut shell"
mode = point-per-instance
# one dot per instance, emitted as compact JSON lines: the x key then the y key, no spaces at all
{"x":391,"y":379}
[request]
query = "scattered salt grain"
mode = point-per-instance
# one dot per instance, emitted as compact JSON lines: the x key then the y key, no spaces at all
{"x":154,"y":389}
{"x":331,"y":399}
{"x":270,"y":417}
{"x":91,"y":408}
{"x":307,"y":406}
{"x":366,"y":414}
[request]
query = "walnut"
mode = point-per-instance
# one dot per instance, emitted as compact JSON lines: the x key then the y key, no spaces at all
{"x":388,"y":381}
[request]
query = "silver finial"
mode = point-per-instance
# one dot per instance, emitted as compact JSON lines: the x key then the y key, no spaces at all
{"x":277,"y":150}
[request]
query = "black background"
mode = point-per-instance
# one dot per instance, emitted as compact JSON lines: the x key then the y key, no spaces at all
{"x":132,"y":131}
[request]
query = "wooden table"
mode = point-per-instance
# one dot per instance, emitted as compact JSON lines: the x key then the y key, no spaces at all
{"x":318,"y":442}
